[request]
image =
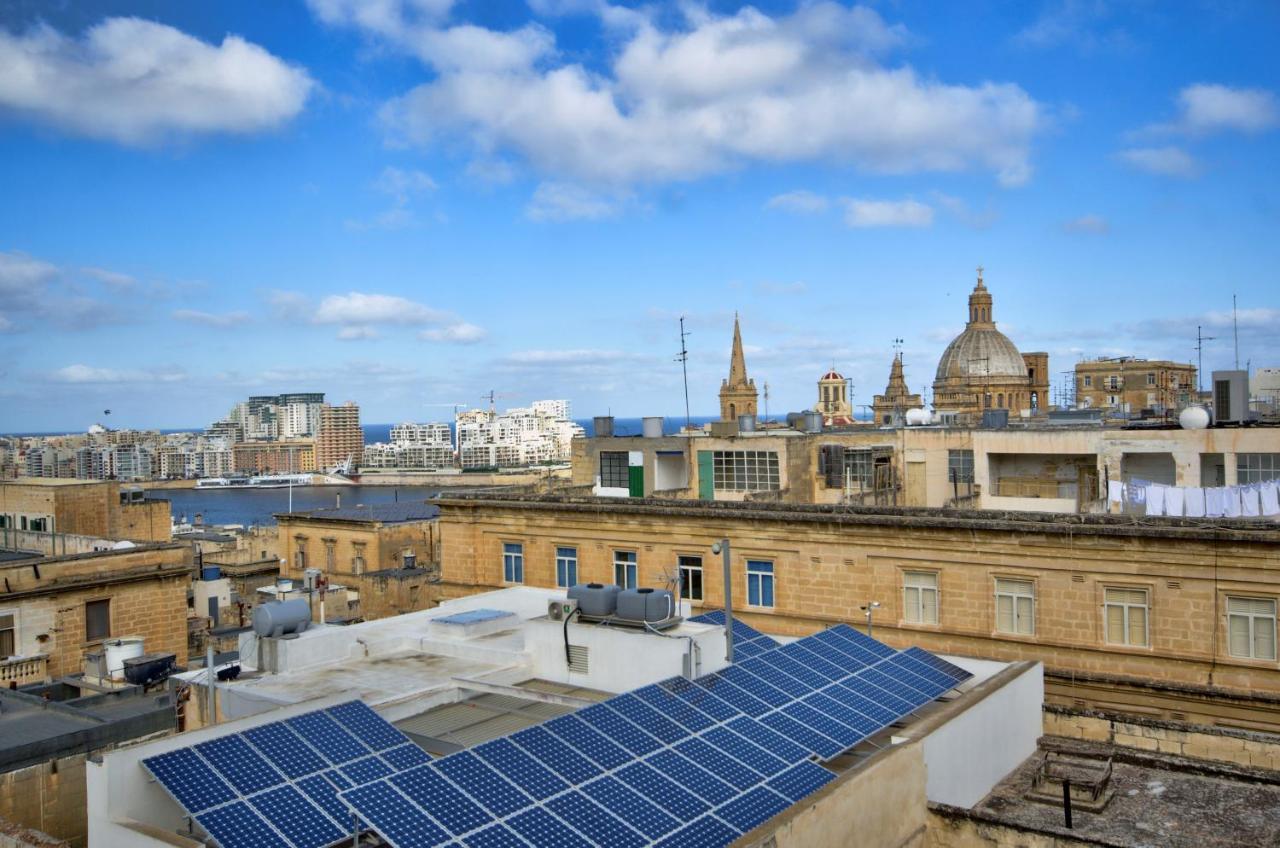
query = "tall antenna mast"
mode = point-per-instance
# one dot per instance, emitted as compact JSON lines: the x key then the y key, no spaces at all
{"x":766,"y":401}
{"x":1235,"y":330}
{"x":683,"y":359}
{"x":1200,"y":340}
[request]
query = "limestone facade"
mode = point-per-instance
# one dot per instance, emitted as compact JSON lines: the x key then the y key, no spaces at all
{"x":99,"y":508}
{"x":891,"y":407}
{"x":1131,"y":385}
{"x":945,"y":582}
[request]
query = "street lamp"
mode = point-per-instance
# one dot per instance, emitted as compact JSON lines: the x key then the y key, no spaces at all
{"x":869,"y":608}
{"x":722,"y":547}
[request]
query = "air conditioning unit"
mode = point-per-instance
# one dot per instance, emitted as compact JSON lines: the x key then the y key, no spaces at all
{"x":559,"y":610}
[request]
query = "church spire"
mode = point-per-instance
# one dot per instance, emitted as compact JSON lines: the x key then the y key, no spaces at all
{"x":980,"y":302}
{"x":738,"y":393}
{"x":737,"y":363}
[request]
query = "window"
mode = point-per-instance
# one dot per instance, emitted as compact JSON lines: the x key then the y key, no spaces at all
{"x":920,"y":597}
{"x":1251,"y":628}
{"x":613,"y":469}
{"x":1015,"y":607}
{"x":97,"y":620}
{"x":413,"y":596}
{"x":300,"y":559}
{"x":357,"y":558}
{"x":624,"y":569}
{"x":513,"y":562}
{"x":1126,"y":617}
{"x":1113,"y":382}
{"x":330,"y":554}
{"x":39,"y":525}
{"x":960,"y":466}
{"x":566,"y":567}
{"x":1257,"y":467}
{"x":759,"y":583}
{"x":1151,"y":379}
{"x":8,"y":634}
{"x":746,"y":471}
{"x":1088,"y":381}
{"x":690,"y":578}
{"x":859,"y":467}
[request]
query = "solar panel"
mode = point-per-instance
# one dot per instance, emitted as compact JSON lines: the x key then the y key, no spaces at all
{"x":405,"y":757}
{"x":718,"y":763}
{"x":588,"y":741}
{"x":707,"y":830}
{"x":651,"y":784}
{"x":898,"y":668}
{"x":843,"y":655}
{"x":631,"y":807}
{"x":787,"y":664}
{"x":189,"y":780}
{"x":400,"y":822}
{"x":853,"y":697}
{"x":327,"y":736}
{"x":752,"y":808}
{"x":545,"y":830}
{"x":483,"y":783}
{"x":798,"y":651}
{"x":366,"y":725}
{"x":495,"y":836}
{"x":366,"y":770}
{"x":700,"y":699}
{"x":236,"y":824}
{"x":775,"y":677}
{"x":741,"y":700}
{"x":285,"y":749}
{"x":953,"y":671}
{"x":841,"y":643}
{"x":756,"y":686}
{"x":296,"y":817}
{"x":429,"y":789}
{"x":594,"y":822}
{"x":744,"y":751}
{"x":744,"y":650}
{"x":325,"y":795}
{"x":618,"y":729}
{"x":772,"y":741}
{"x":824,"y":746}
{"x":862,"y":640}
{"x":864,"y":725}
{"x":822,"y":723}
{"x":879,"y":677}
{"x":520,"y":768}
{"x":704,"y":784}
{"x":239,"y":764}
{"x":674,"y":708}
{"x":802,"y":779}
{"x":648,"y":719}
{"x":555,"y":755}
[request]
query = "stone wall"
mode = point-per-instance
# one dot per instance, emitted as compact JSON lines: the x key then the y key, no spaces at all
{"x":952,"y":827}
{"x":49,"y":797}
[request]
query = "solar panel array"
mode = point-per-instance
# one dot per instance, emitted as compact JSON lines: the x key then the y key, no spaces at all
{"x":675,"y":763}
{"x":747,"y":641}
{"x":276,"y":785}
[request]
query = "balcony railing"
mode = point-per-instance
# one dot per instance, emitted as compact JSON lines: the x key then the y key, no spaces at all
{"x":24,"y":670}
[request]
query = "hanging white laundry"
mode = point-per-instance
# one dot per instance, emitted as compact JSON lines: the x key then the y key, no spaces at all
{"x":1115,"y":491}
{"x":1173,"y":497}
{"x":1194,"y":497}
{"x":1155,"y":500}
{"x":1249,"y":502}
{"x":1231,"y":502}
{"x":1214,"y":501}
{"x":1271,"y":498}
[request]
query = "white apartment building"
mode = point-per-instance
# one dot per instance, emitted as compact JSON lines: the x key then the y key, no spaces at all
{"x":537,"y":434}
{"x":435,"y":433}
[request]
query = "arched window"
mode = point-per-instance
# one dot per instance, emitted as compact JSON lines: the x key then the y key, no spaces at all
{"x":1000,"y":400}
{"x":986,"y":399}
{"x":733,"y":412}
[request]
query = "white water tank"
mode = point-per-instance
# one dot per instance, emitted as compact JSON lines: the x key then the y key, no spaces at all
{"x":1194,"y":418}
{"x":651,"y":427}
{"x":117,"y":651}
{"x":917,"y":417}
{"x":281,"y":618}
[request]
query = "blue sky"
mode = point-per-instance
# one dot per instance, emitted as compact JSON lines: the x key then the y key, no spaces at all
{"x":408,"y":203}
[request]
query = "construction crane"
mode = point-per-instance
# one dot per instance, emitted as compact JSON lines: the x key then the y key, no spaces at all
{"x":490,"y":397}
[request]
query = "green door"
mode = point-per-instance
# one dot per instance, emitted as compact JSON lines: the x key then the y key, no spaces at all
{"x":635,"y":481}
{"x":706,"y":476}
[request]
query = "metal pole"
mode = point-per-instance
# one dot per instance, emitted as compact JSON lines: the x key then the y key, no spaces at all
{"x":209,"y":678}
{"x":728,"y":602}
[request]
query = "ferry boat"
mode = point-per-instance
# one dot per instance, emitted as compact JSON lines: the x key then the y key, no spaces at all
{"x":265,"y":481}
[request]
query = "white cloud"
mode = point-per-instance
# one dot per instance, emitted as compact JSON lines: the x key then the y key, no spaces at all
{"x":1207,"y":108}
{"x":553,"y":201}
{"x":362,"y":309}
{"x":112,"y":279}
{"x":460,"y":333}
{"x":887,"y":213}
{"x":1081,"y":23}
{"x":134,"y":81}
{"x":211,"y":319}
{"x":88,"y":374}
{"x":357,"y":333}
{"x":962,"y":212}
{"x":711,"y":94}
{"x":491,"y":171}
{"x":800,"y":201}
{"x":1167,"y":161}
{"x":400,"y":184}
{"x":1090,"y":224}
{"x":40,"y":295}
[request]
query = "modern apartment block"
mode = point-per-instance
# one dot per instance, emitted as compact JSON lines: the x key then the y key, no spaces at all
{"x":340,"y":442}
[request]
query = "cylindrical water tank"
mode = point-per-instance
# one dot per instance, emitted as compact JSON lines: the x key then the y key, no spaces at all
{"x":812,"y":422}
{"x":917,"y":417}
{"x":795,"y":420}
{"x":651,"y":427}
{"x":746,"y":423}
{"x":645,"y":604}
{"x":119,"y":650}
{"x":602,"y":425}
{"x":1194,"y":418}
{"x":596,"y":600}
{"x":279,"y":618}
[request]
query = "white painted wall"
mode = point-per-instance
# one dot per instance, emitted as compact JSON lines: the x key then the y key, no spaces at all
{"x":969,"y":755}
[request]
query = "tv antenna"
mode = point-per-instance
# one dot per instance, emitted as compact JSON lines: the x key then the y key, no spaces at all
{"x":683,"y":359}
{"x":1200,"y":340}
{"x":1235,"y":330}
{"x":766,"y":401}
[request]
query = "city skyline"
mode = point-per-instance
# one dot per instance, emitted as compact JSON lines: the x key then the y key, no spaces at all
{"x":410,"y":208}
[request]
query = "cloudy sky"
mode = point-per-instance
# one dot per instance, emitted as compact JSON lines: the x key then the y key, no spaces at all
{"x":409,"y":203}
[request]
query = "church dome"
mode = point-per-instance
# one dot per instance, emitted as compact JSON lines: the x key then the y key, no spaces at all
{"x":981,"y":352}
{"x":832,"y":375}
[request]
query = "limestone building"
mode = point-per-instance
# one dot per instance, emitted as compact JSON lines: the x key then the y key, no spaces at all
{"x":833,"y":399}
{"x":738,"y":393}
{"x":102,"y":509}
{"x":1130,"y":384}
{"x":890,"y":407}
{"x":982,"y":369}
{"x":340,"y":442}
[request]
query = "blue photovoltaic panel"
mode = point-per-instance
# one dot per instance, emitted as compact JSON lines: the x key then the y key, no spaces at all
{"x":755,"y":686}
{"x":588,"y":741}
{"x":495,"y":836}
{"x":674,"y":708}
{"x":753,"y":808}
{"x":924,"y":670}
{"x":742,"y":632}
{"x":555,"y":755}
{"x":700,"y":699}
{"x":693,"y":777}
{"x":545,"y":830}
{"x":878,"y":677}
{"x":285,"y":749}
{"x":775,"y":677}
{"x":853,"y":637}
{"x":857,"y":653}
{"x":852,"y":695}
{"x":325,"y":795}
{"x":239,"y":764}
{"x":880,"y":695}
{"x":367,"y":726}
{"x":718,"y":763}
{"x":744,"y":751}
{"x":740,"y":699}
{"x":392,"y":816}
{"x":520,"y":768}
{"x":706,"y":831}
{"x":836,"y":656}
{"x":743,"y":650}
{"x":427,"y":788}
{"x":800,"y":780}
{"x":195,"y":786}
{"x":631,"y":807}
{"x":648,"y":719}
{"x":953,"y":671}
{"x":365,"y":770}
{"x":897,"y":668}
{"x":789,"y":665}
{"x":405,"y":757}
{"x":296,"y":817}
{"x":824,"y":746}
{"x":617,"y":728}
{"x":483,"y":783}
{"x":821,"y":722}
{"x":772,"y":741}
{"x":237,"y":825}
{"x":325,"y":734}
{"x":675,"y":799}
{"x":843,"y":714}
{"x":594,"y":822}
{"x":798,"y":651}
